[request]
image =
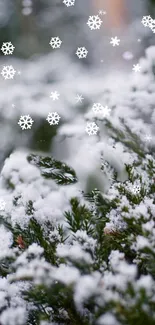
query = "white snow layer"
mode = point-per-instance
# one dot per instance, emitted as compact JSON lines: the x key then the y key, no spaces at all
{"x":83,"y":153}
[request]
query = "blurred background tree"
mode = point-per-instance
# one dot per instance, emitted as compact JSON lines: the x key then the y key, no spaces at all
{"x":151,"y":6}
{"x":30,"y":23}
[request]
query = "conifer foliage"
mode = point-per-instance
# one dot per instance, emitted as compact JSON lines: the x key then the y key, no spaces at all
{"x":97,"y":267}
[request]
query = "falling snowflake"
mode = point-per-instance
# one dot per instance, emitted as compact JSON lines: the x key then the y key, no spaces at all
{"x":147,"y":138}
{"x":2,"y":204}
{"x":79,"y":98}
{"x":102,"y":110}
{"x":136,"y":68}
{"x":54,"y":95}
{"x":7,"y":48}
{"x":97,"y":108}
{"x":55,"y":42}
{"x":101,"y":12}
{"x":94,"y":22}
{"x":106,"y":111}
{"x":69,"y":3}
{"x":146,"y":21}
{"x":152,"y":25}
{"x":135,"y":189}
{"x":53,"y":118}
{"x":92,"y":128}
{"x":8,"y":72}
{"x":81,"y":52}
{"x":25,"y":122}
{"x":115,"y":41}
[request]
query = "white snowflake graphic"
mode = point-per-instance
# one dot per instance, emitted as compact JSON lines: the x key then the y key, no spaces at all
{"x":7,"y":48}
{"x":135,"y":189}
{"x":8,"y":72}
{"x":53,"y":118}
{"x":97,"y":108}
{"x":94,"y":22}
{"x":147,"y":138}
{"x":102,"y":12}
{"x":54,"y":95}
{"x":136,"y":67}
{"x":106,"y":111}
{"x":115,"y":41}
{"x":146,"y":21}
{"x":101,"y":110}
{"x":69,"y":3}
{"x":55,"y":42}
{"x":2,"y":204}
{"x":79,"y":98}
{"x":81,"y":52}
{"x":25,"y":122}
{"x":152,"y":25}
{"x":92,"y":128}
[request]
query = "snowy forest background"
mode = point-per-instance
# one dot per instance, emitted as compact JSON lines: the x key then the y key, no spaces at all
{"x":43,"y":70}
{"x":77,"y":231}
